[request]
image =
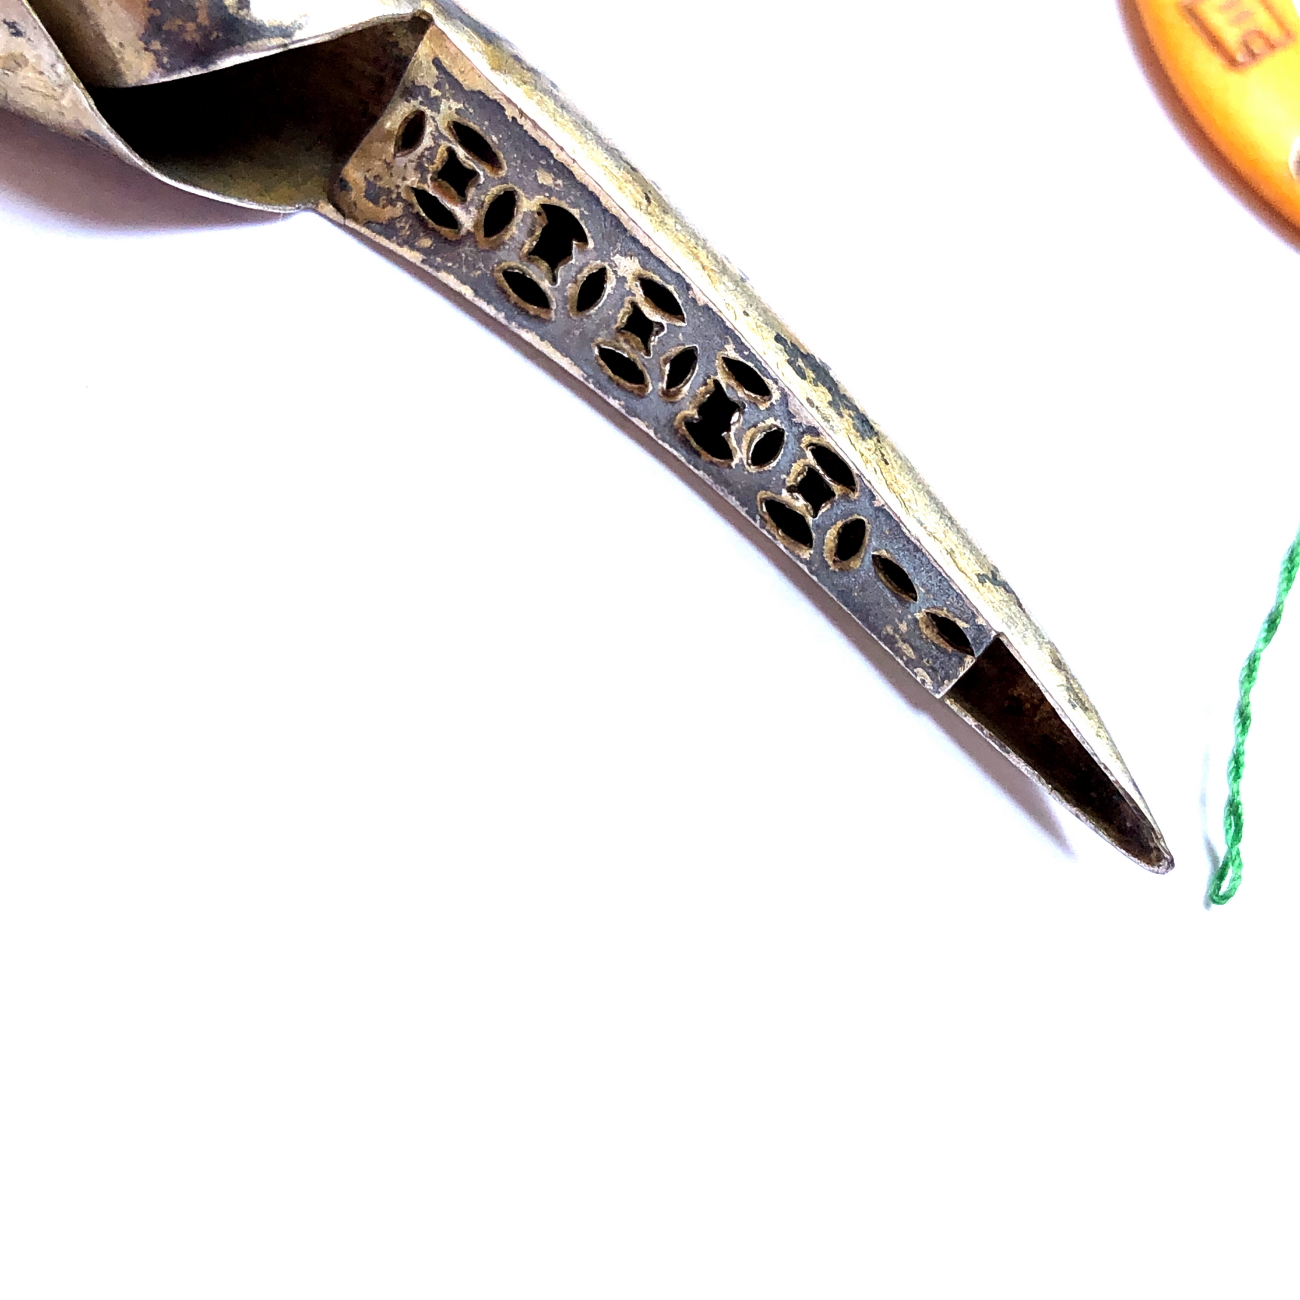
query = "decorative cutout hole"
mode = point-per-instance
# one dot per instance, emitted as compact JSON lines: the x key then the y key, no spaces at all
{"x":846,"y":543}
{"x":815,"y":490}
{"x":410,"y":135}
{"x":560,"y":234}
{"x":894,"y":576}
{"x":637,"y":327}
{"x":679,"y":369}
{"x":455,"y":176}
{"x":708,"y":426}
{"x":523,"y":290}
{"x":747,"y":379}
{"x":438,"y":213}
{"x":766,"y":443}
{"x":498,"y":217}
{"x":624,"y":370}
{"x":477,"y":145}
{"x":588,"y":293}
{"x":946,"y":631}
{"x":789,"y":523}
{"x":834,"y":466}
{"x":661,"y":298}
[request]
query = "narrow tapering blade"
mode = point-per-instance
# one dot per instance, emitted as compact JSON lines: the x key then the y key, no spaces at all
{"x":424,"y":132}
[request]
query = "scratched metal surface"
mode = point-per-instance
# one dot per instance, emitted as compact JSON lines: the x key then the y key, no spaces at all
{"x":143,"y":42}
{"x":378,"y":190}
{"x":329,"y":125}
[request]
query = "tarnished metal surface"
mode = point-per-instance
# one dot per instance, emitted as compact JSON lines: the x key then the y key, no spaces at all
{"x":423,"y":131}
{"x":142,"y":42}
{"x":431,"y":201}
{"x":35,"y":78}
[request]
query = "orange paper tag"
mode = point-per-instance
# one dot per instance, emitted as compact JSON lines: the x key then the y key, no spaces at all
{"x":1243,"y":31}
{"x":1236,"y":66}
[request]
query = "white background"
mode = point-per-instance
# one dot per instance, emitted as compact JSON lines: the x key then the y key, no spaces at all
{"x":393,"y":899}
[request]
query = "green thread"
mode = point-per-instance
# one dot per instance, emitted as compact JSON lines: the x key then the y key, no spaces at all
{"x":1225,"y":881}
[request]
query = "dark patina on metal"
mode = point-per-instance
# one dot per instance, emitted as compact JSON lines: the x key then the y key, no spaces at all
{"x":411,"y":124}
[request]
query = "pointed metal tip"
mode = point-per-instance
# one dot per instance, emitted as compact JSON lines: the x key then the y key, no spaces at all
{"x":1059,"y":742}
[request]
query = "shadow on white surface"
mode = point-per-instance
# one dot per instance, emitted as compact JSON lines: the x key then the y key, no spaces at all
{"x":91,"y":189}
{"x":1013,"y":783}
{"x":1213,"y":857}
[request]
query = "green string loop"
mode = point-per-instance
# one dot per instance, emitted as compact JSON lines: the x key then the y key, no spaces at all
{"x":1225,"y":881}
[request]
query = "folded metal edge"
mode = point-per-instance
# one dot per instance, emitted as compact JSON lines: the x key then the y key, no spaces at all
{"x":37,"y":81}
